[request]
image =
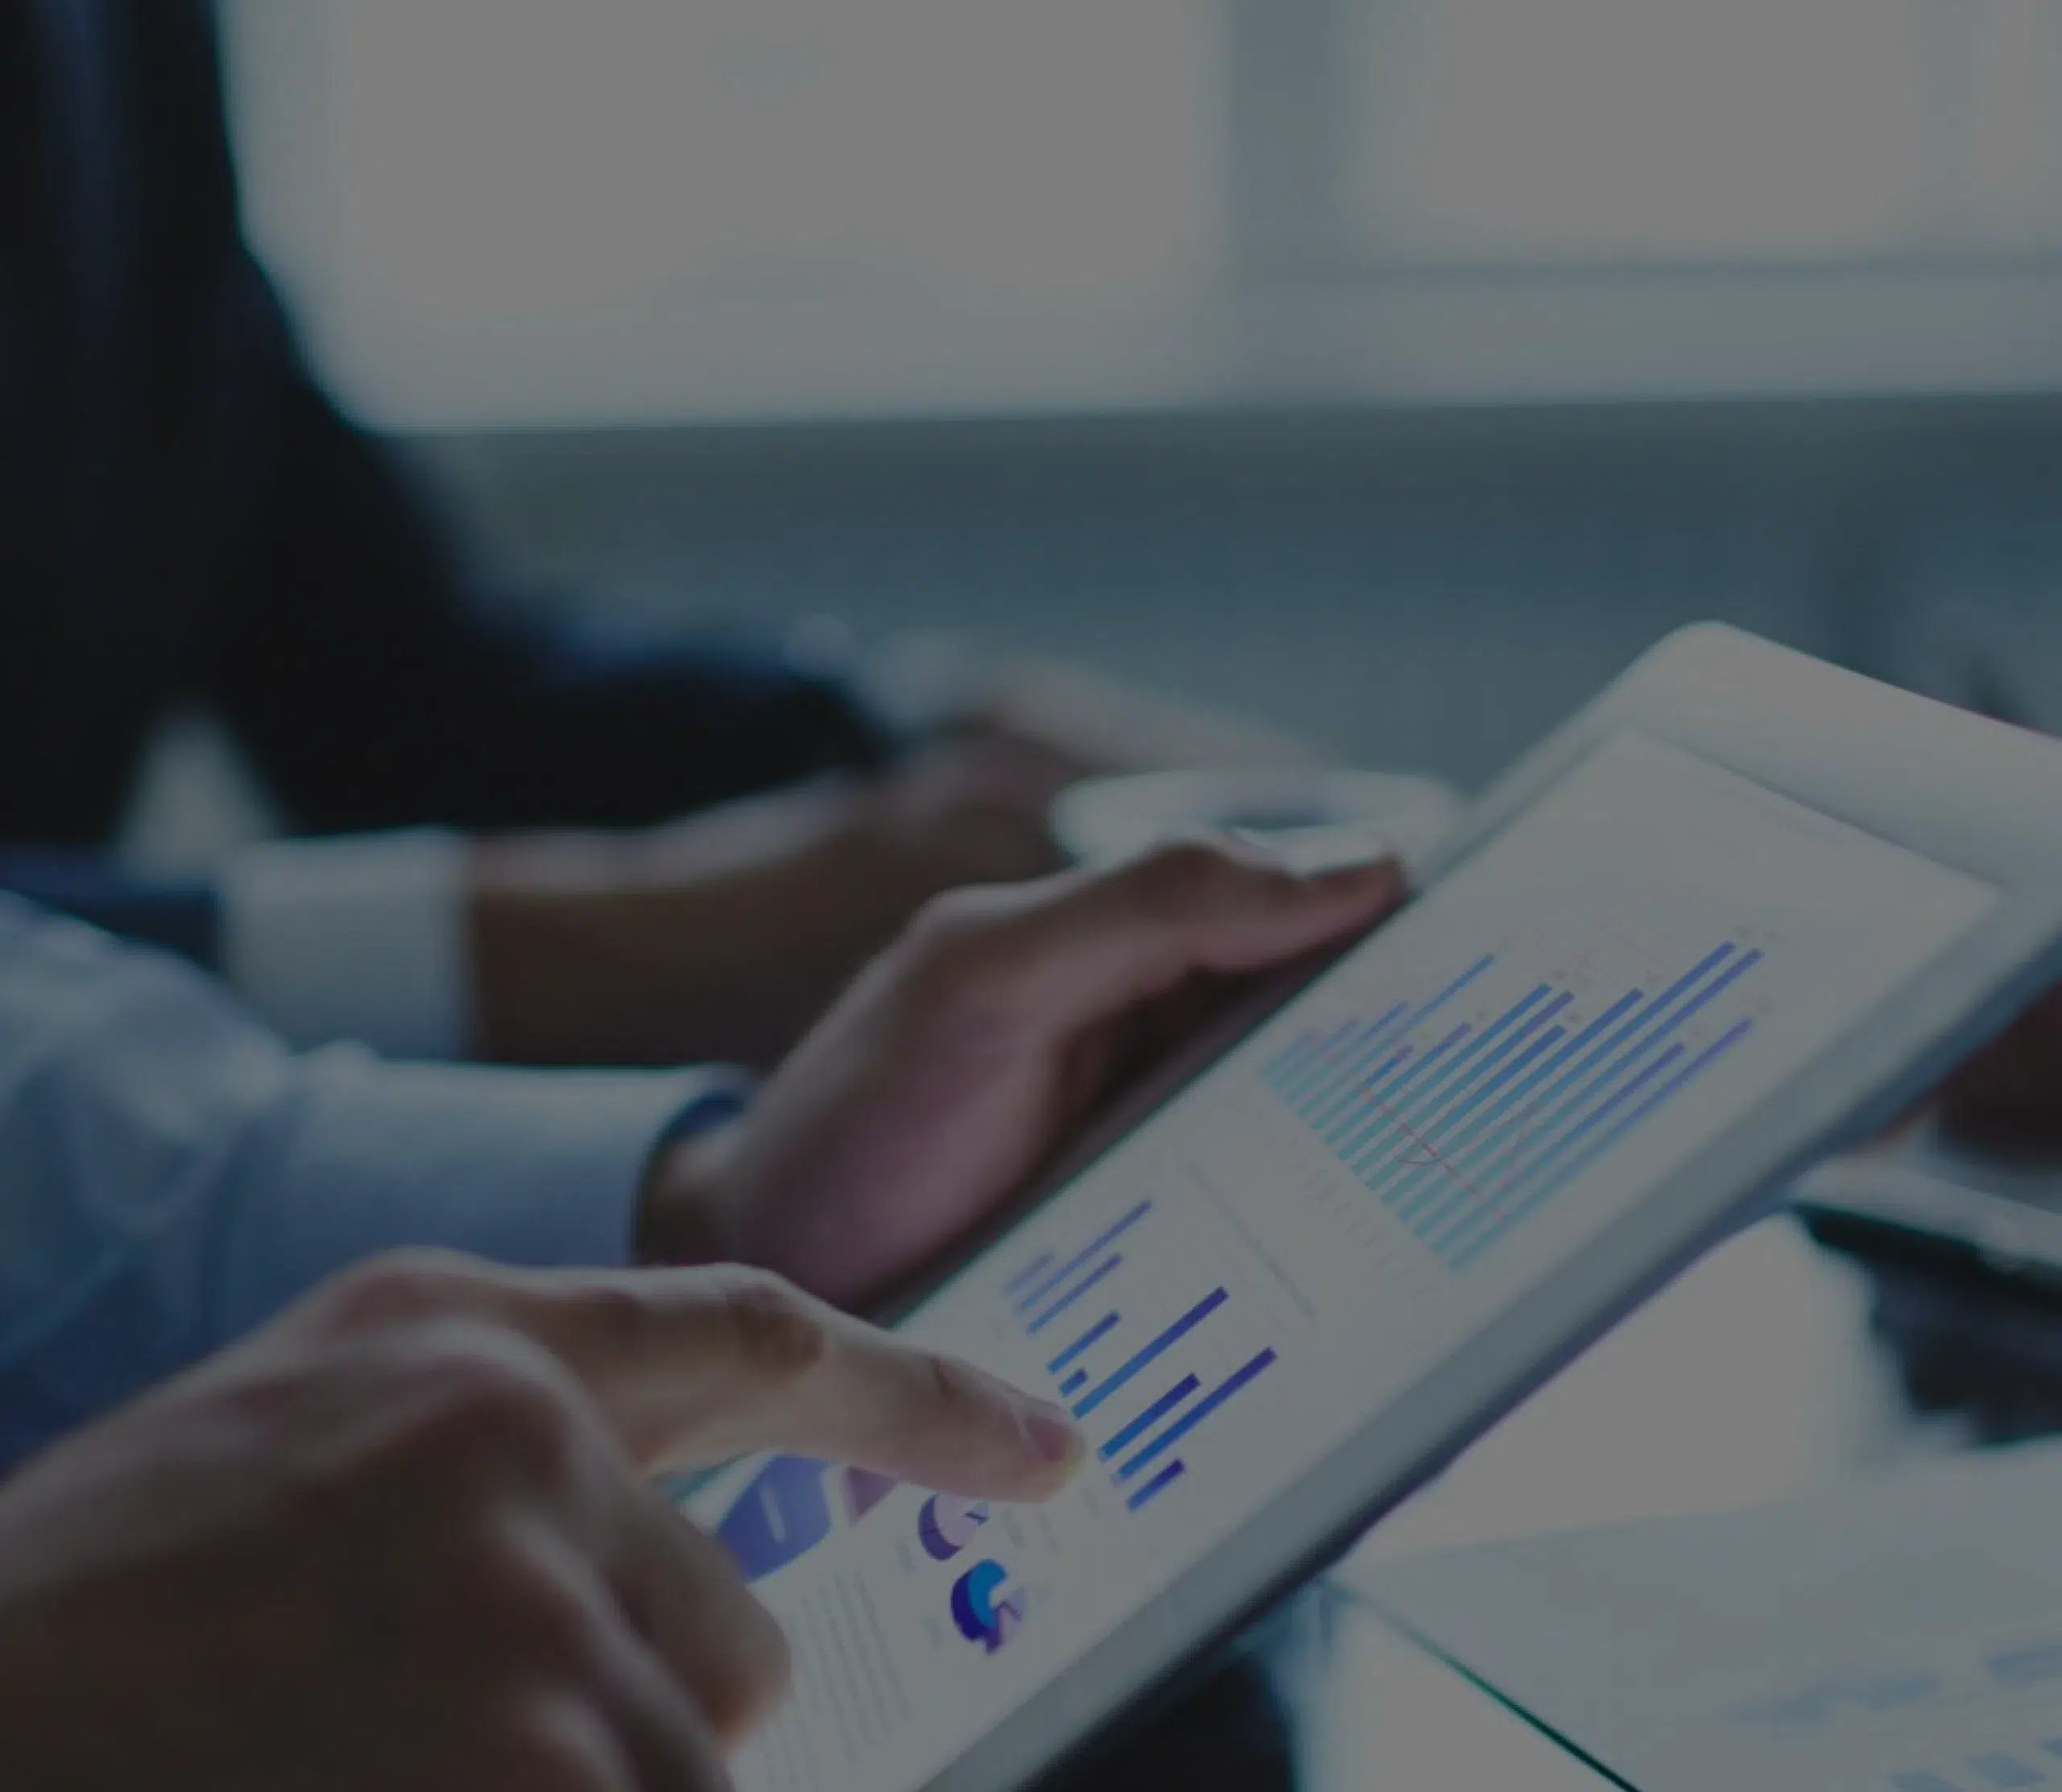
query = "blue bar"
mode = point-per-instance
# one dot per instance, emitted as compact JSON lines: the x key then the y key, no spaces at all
{"x":1505,"y":1070}
{"x":1454,"y":988}
{"x":1306,"y":1054}
{"x":1585,"y":1090}
{"x":1554,"y":1149}
{"x":1035,"y":1295}
{"x":1318,"y":1104}
{"x":1440,"y":1001}
{"x":1072,"y":1382}
{"x":1180,"y":1329}
{"x":1334,"y":1060}
{"x":1574,"y":1073}
{"x":1195,"y":1416}
{"x":1285,"y":1062}
{"x":1360,"y":1124}
{"x":1103,"y":1268}
{"x":1151,"y":1416}
{"x":1401,"y":1195}
{"x":1423,"y":1118}
{"x":1095,"y":1335}
{"x":1653,"y":1011}
{"x":1447,"y":1237}
{"x":1360,"y":1128}
{"x":1345,"y":1103}
{"x":1479,"y":1059}
{"x":1339,"y":1063}
{"x":1442,"y":1173}
{"x":1497,"y":1208}
{"x":1027,"y":1272}
{"x":1497,"y":1027}
{"x":1172,"y":1472}
{"x":1461,"y":1061}
{"x":1725,"y":1043}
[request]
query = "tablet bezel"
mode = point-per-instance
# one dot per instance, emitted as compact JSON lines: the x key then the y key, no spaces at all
{"x":1966,"y":792}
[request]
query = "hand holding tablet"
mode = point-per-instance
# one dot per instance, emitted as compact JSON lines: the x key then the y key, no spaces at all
{"x":1740,"y":902}
{"x":934,"y":1088}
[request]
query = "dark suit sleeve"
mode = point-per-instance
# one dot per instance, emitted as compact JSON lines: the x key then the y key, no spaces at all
{"x":376,"y":688}
{"x":180,"y":917}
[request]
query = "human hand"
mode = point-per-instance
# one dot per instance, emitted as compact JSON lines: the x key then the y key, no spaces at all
{"x":400,"y":1538}
{"x":2007,"y":1099}
{"x":950,"y":1071}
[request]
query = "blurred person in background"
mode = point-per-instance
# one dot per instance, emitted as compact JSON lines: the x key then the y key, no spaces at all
{"x":190,"y":519}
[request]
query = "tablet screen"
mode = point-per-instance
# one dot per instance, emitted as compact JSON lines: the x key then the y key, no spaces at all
{"x":1311,"y":1226}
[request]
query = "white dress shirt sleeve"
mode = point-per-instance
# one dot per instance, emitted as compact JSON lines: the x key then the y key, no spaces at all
{"x":171,"y":1174}
{"x":359,"y":938}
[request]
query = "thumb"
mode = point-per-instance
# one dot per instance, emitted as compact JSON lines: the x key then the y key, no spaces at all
{"x":696,"y":1366}
{"x":1071,"y":951}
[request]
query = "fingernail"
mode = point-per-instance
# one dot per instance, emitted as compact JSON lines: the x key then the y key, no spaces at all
{"x":1052,"y":1434}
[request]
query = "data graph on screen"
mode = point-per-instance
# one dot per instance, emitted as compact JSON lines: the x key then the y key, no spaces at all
{"x":1304,"y":1238}
{"x":1465,"y":1128}
{"x":1125,"y":1380}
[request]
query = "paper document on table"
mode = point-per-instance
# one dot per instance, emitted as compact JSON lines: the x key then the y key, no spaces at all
{"x":1902,"y":1636}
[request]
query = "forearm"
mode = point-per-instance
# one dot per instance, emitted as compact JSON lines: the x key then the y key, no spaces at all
{"x":170,"y":1174}
{"x":721,"y":937}
{"x":182,"y":916}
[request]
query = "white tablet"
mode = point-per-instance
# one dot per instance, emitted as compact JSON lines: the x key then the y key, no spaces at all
{"x":1739,"y":903}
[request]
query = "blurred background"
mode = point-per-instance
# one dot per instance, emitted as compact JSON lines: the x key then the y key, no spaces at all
{"x":1394,"y":369}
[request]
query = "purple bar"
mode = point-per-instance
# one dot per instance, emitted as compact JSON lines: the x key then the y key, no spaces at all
{"x":1360,"y":1127}
{"x":1035,"y":1295}
{"x":1106,"y":1267}
{"x":1716,"y":1049}
{"x":1324,"y":1118}
{"x":1335,"y":1058}
{"x":1196,"y":1415}
{"x":1180,"y":1329}
{"x":1173,"y":1471}
{"x":1151,"y":1416}
{"x":1320,"y":1095}
{"x":1095,"y":1334}
{"x":1027,"y":1272}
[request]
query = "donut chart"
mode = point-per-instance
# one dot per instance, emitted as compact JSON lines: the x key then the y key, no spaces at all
{"x":947,"y":1525}
{"x":987,"y":1610}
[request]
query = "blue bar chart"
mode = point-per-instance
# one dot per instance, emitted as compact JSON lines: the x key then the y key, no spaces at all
{"x":1132,"y":1386}
{"x":1465,"y":1128}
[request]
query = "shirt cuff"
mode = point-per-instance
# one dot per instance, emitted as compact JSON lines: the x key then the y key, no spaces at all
{"x":911,"y":687}
{"x":537,"y":1169}
{"x":361,"y":937}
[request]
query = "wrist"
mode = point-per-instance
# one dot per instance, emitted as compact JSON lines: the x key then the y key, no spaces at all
{"x":715,"y":938}
{"x":686,"y":1212}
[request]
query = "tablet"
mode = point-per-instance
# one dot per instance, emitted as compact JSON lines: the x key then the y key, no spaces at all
{"x":1740,"y":903}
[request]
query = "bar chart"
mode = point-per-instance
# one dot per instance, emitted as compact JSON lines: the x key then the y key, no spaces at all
{"x":1466,"y":1128}
{"x":1116,"y":1375}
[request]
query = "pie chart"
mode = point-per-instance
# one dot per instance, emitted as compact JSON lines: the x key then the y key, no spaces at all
{"x":947,"y":1525}
{"x":987,"y":1610}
